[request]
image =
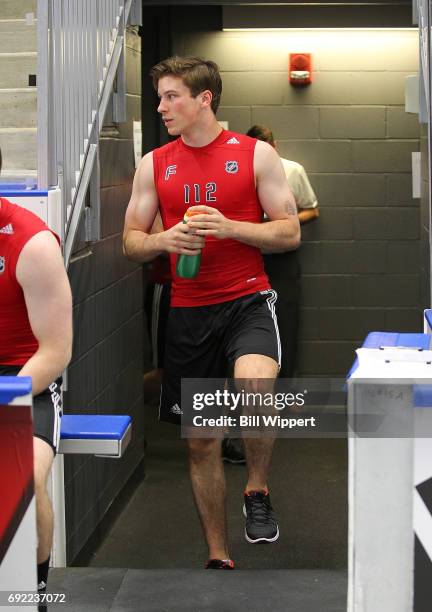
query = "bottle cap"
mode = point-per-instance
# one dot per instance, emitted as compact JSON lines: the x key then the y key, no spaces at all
{"x":191,"y":213}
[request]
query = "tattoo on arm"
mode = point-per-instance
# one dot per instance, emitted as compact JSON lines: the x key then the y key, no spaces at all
{"x":290,"y":208}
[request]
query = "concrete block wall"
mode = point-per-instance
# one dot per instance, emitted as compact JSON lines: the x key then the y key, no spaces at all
{"x":17,"y":99}
{"x":105,"y":375}
{"x":361,"y":258}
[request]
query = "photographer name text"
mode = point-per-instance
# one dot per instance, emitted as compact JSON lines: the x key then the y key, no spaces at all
{"x":255,"y":420}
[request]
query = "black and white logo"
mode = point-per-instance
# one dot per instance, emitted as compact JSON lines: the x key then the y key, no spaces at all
{"x":2,"y":264}
{"x":231,"y":167}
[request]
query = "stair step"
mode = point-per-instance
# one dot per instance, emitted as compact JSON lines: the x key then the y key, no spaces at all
{"x":19,"y":148}
{"x":94,"y":588}
{"x":15,"y":68}
{"x":19,"y":175}
{"x":16,"y":9}
{"x":17,"y":36}
{"x":18,"y":107}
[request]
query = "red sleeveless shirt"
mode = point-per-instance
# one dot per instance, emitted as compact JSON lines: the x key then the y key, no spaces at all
{"x":17,"y":226}
{"x":220,"y":175}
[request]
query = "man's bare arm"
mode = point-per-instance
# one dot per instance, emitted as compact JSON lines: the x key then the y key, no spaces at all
{"x":41,"y":273}
{"x":281,"y":232}
{"x":140,"y":243}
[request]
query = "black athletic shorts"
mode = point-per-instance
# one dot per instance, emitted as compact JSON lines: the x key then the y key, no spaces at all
{"x":157,"y":305}
{"x":47,"y":409}
{"x":205,"y":341}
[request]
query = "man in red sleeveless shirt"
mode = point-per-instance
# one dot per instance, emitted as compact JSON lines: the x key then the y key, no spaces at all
{"x":222,"y":320}
{"x":36,"y":341}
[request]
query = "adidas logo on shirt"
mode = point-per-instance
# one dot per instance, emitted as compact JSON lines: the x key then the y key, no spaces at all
{"x":233,"y":140}
{"x":7,"y":229}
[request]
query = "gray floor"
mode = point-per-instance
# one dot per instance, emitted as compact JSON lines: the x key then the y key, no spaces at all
{"x":157,"y":536}
{"x":120,"y":590}
{"x":159,"y":528}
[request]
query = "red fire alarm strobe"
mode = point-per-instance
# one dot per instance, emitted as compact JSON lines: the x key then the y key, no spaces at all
{"x":300,"y":69}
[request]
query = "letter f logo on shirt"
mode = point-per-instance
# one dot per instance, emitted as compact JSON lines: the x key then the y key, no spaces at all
{"x":170,"y":170}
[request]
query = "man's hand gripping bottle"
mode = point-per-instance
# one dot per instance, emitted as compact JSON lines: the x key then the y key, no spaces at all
{"x":188,"y":265}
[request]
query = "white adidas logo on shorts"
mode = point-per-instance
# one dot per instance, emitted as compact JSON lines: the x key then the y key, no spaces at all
{"x":176,"y":409}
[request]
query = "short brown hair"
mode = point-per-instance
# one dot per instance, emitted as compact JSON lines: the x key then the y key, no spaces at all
{"x":261,"y":132}
{"x":196,"y":73}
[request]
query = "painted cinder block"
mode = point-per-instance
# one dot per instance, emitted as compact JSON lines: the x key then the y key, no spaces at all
{"x":326,"y":290}
{"x":17,"y":36}
{"x":352,"y":122}
{"x":401,"y":124}
{"x":18,"y":108}
{"x":133,"y":72}
{"x":288,"y":122}
{"x":19,"y":148}
{"x":378,"y":88}
{"x":391,"y":289}
{"x":349,"y":189}
{"x":16,"y":9}
{"x":386,"y":223}
{"x":15,"y":69}
{"x":314,"y":360}
{"x":343,"y":257}
{"x":253,"y":88}
{"x":403,"y":256}
{"x":383,"y":156}
{"x":352,"y":323}
{"x":318,"y":155}
{"x":403,"y":319}
{"x":238,"y":117}
{"x":334,"y":223}
{"x":133,"y":113}
{"x":367,"y":50}
{"x":228,"y":50}
{"x":399,"y":190}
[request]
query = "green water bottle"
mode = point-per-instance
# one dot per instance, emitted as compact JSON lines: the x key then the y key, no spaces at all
{"x":188,"y":266}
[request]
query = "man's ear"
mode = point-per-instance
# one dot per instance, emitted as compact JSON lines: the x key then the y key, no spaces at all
{"x":206,"y":97}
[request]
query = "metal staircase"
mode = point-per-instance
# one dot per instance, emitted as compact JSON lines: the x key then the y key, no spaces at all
{"x":49,"y":133}
{"x":81,"y":68}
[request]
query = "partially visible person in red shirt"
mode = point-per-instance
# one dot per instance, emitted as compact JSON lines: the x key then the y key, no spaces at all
{"x":36,"y":341}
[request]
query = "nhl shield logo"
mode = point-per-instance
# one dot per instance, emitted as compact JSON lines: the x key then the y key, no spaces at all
{"x":2,"y":264}
{"x":231,"y":167}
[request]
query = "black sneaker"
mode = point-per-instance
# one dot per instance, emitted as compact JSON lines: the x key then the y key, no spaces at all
{"x":233,"y":450}
{"x":220,"y":564}
{"x":261,"y":525}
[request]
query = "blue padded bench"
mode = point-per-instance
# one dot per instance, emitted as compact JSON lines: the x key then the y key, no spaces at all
{"x":379,"y":340}
{"x":90,"y":434}
{"x":14,"y":386}
{"x":104,"y":435}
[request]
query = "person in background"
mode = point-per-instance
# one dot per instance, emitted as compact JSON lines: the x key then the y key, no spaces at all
{"x":36,"y":341}
{"x":283,"y":270}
